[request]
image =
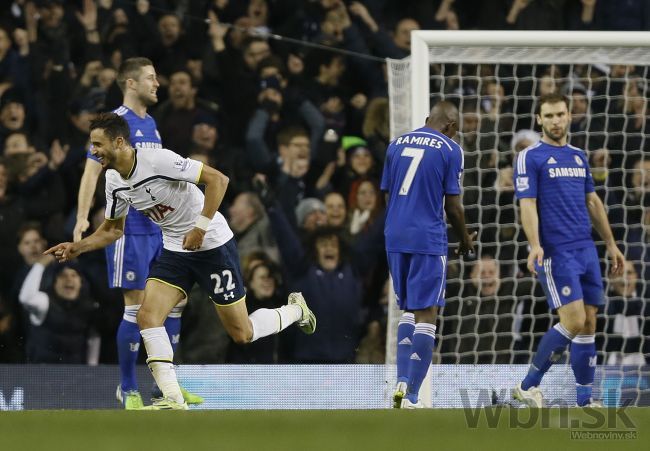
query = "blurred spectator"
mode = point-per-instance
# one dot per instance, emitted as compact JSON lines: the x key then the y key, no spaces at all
{"x":358,"y":164}
{"x":263,"y":290}
{"x":376,"y":127}
{"x":335,"y":210}
{"x":12,"y":216}
{"x":366,"y":206}
{"x":41,"y":188}
{"x":61,"y":317}
{"x":10,"y":347}
{"x":477,"y":326}
{"x":176,"y":116}
{"x":248,"y":221}
{"x":311,"y":213}
{"x":627,"y":321}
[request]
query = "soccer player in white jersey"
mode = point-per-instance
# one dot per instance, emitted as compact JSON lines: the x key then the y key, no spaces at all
{"x":198,"y":246}
{"x":128,"y":260}
{"x":557,"y":199}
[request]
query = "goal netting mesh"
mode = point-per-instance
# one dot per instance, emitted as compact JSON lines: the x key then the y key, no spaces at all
{"x":495,"y":312}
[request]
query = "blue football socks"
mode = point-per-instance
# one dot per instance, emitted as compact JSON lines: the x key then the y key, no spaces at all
{"x":583,"y":363}
{"x":405,"y":329}
{"x":128,"y":346}
{"x":424,"y":337}
{"x":173,"y":328}
{"x":552,"y":343}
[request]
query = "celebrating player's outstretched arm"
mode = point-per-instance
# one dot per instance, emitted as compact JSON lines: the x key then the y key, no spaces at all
{"x":108,"y":232}
{"x":601,"y":224}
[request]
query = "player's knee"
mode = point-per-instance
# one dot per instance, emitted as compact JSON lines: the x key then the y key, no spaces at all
{"x":145,"y":319}
{"x":589,"y":327}
{"x":575,"y":323}
{"x":241,"y":334}
{"x":241,"y":337}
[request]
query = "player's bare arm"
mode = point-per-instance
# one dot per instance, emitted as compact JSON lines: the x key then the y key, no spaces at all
{"x":456,"y":216}
{"x":216,"y":184}
{"x":92,"y":170}
{"x":111,"y":230}
{"x":601,"y":224}
{"x":530,"y":221}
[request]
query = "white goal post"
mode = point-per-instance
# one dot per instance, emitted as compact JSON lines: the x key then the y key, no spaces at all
{"x":579,"y":47}
{"x":409,"y":82}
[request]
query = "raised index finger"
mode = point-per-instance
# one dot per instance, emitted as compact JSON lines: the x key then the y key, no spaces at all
{"x":53,"y":249}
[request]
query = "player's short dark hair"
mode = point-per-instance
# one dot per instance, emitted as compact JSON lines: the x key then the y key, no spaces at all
{"x":287,"y":134}
{"x":130,"y":68}
{"x":552,"y":97}
{"x":112,"y":124}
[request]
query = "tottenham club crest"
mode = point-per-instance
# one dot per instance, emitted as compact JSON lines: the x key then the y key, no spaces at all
{"x":578,"y":160}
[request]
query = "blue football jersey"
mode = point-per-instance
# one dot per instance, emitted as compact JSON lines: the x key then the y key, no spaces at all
{"x":144,"y":135}
{"x":421,"y":167}
{"x":559,"y":178}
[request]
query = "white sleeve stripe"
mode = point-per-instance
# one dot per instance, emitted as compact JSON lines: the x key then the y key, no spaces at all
{"x":521,"y":162}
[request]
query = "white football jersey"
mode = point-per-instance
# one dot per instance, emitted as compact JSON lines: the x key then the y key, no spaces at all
{"x":162,"y":185}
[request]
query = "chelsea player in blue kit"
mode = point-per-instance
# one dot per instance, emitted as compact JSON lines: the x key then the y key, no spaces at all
{"x":557,"y":199}
{"x":130,"y":258}
{"x":422,"y":176}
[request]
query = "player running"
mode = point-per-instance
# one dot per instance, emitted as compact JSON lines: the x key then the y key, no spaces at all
{"x":198,"y":246}
{"x":129,"y":259}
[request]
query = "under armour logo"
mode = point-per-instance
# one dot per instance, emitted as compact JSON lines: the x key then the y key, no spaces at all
{"x":414,"y":356}
{"x":405,"y":341}
{"x":148,"y":190}
{"x":230,"y":295}
{"x":134,"y":347}
{"x":592,"y":361}
{"x":176,"y":338}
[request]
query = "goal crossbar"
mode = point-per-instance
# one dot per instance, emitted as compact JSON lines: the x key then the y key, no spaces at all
{"x":517,"y":47}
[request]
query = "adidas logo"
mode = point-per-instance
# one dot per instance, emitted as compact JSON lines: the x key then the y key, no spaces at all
{"x":414,"y":356}
{"x":138,"y":133}
{"x":405,"y":341}
{"x":551,"y":161}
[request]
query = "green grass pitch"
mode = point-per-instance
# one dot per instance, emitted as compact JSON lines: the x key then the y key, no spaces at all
{"x":312,"y":430}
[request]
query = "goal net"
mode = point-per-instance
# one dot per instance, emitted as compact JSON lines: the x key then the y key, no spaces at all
{"x":495,"y":312}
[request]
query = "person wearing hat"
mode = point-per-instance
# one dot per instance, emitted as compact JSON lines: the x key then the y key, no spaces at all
{"x":359,"y":163}
{"x":310,"y":214}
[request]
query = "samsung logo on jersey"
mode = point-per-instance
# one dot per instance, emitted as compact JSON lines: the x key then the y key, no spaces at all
{"x":148,"y":145}
{"x":567,"y":172}
{"x":419,"y":141}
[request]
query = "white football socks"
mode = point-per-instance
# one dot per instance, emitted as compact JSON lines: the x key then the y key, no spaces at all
{"x":160,"y":361}
{"x":267,"y":322}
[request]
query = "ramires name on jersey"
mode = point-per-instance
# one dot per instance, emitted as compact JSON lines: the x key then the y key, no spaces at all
{"x":148,"y":145}
{"x":419,"y":141}
{"x":567,"y":172}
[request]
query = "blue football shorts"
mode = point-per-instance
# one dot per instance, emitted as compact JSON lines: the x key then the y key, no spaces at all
{"x":419,"y":280}
{"x":130,"y":259}
{"x":216,"y":271}
{"x":568,"y":276}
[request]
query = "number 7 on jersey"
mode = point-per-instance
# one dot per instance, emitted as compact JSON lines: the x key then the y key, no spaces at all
{"x":416,"y":155}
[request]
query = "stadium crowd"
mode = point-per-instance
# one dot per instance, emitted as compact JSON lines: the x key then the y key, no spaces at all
{"x":301,"y":132}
